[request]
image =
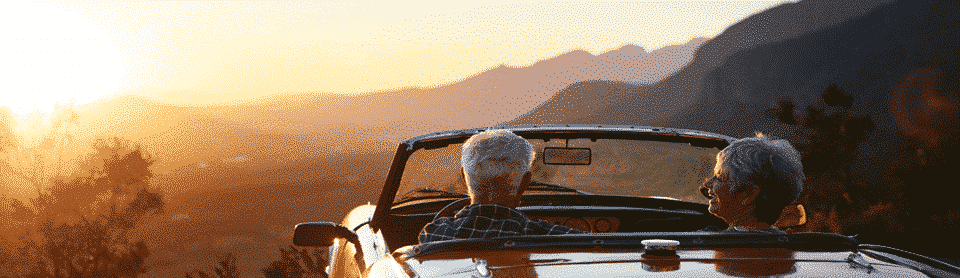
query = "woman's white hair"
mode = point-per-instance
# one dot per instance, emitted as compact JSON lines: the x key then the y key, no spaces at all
{"x":774,"y":166}
{"x":496,"y":155}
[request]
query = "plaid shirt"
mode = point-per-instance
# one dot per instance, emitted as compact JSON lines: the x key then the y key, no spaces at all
{"x":488,"y":221}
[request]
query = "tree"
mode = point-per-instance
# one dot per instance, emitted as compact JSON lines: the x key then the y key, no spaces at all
{"x":84,"y":221}
{"x":830,"y":136}
{"x":294,"y":263}
{"x":226,"y":268}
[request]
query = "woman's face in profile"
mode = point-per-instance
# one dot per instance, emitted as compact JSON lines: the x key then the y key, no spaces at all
{"x":723,"y":202}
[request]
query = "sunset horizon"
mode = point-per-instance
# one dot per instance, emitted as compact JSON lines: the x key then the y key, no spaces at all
{"x":213,"y":52}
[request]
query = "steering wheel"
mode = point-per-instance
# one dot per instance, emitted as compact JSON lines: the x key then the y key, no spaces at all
{"x":452,"y":208}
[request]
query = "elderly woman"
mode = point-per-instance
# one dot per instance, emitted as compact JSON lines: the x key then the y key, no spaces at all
{"x":753,"y":180}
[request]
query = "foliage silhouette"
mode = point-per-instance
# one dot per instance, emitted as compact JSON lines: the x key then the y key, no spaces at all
{"x":89,"y":200}
{"x":829,"y":137}
{"x":293,"y":263}
{"x":226,"y":268}
{"x":107,"y":203}
{"x":922,"y":172}
{"x":297,"y":263}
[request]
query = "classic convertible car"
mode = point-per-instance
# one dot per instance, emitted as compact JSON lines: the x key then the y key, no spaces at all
{"x":635,"y":189}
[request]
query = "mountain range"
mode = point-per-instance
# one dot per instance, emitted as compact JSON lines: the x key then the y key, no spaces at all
{"x":316,"y":124}
{"x":654,"y":104}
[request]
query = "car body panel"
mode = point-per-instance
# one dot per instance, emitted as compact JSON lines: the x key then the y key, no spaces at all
{"x":342,"y":252}
{"x":720,"y":262}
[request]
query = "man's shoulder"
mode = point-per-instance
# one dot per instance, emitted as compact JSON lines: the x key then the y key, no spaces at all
{"x":439,"y":229}
{"x":530,"y":226}
{"x":442,"y":221}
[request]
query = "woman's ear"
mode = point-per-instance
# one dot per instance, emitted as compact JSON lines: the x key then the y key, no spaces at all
{"x":751,"y":194}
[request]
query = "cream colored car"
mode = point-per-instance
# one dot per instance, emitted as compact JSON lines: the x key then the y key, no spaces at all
{"x":636,"y":189}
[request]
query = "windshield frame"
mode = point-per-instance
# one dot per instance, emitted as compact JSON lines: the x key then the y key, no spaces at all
{"x":549,"y":132}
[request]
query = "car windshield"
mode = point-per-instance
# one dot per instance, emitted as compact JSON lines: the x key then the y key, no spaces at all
{"x":616,"y":167}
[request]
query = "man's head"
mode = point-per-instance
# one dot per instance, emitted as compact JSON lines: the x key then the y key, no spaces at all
{"x":496,"y":166}
{"x":756,"y":177}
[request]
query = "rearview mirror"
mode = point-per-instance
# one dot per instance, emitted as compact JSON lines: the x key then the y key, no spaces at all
{"x":566,"y":156}
{"x":792,"y":215}
{"x":321,"y":234}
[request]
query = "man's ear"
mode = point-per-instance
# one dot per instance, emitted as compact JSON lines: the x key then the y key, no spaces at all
{"x":463,"y":178}
{"x":524,"y":182}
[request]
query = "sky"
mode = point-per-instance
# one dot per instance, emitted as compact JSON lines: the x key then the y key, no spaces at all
{"x":209,"y":52}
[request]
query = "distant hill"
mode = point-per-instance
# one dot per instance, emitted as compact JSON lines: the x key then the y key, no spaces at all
{"x":488,"y":98}
{"x":656,"y":103}
{"x":579,"y":99}
{"x":319,"y":124}
{"x":867,"y":56}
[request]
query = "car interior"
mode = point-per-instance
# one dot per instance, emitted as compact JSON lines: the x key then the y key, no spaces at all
{"x":588,"y":213}
{"x":618,"y":178}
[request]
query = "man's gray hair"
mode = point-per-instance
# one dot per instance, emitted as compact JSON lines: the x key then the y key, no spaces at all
{"x":496,"y":155}
{"x":772,"y":165}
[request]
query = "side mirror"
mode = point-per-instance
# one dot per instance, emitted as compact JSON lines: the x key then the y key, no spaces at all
{"x":321,"y":234}
{"x":792,"y":215}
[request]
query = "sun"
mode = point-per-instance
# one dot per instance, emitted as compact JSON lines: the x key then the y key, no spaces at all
{"x":52,"y":55}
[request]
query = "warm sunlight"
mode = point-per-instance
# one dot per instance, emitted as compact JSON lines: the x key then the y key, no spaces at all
{"x":205,"y":52}
{"x":55,"y":55}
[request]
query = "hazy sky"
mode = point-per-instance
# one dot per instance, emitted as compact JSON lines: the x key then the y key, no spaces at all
{"x":189,"y":52}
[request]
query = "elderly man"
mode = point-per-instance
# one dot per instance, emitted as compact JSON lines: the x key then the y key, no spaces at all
{"x":753,"y":180}
{"x":496,"y":169}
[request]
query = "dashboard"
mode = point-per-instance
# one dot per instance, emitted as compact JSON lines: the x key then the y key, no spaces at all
{"x":596,"y":214}
{"x":621,"y":219}
{"x":586,"y":224}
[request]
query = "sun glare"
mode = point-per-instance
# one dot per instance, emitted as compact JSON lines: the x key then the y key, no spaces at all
{"x":53,"y":55}
{"x":204,"y":52}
